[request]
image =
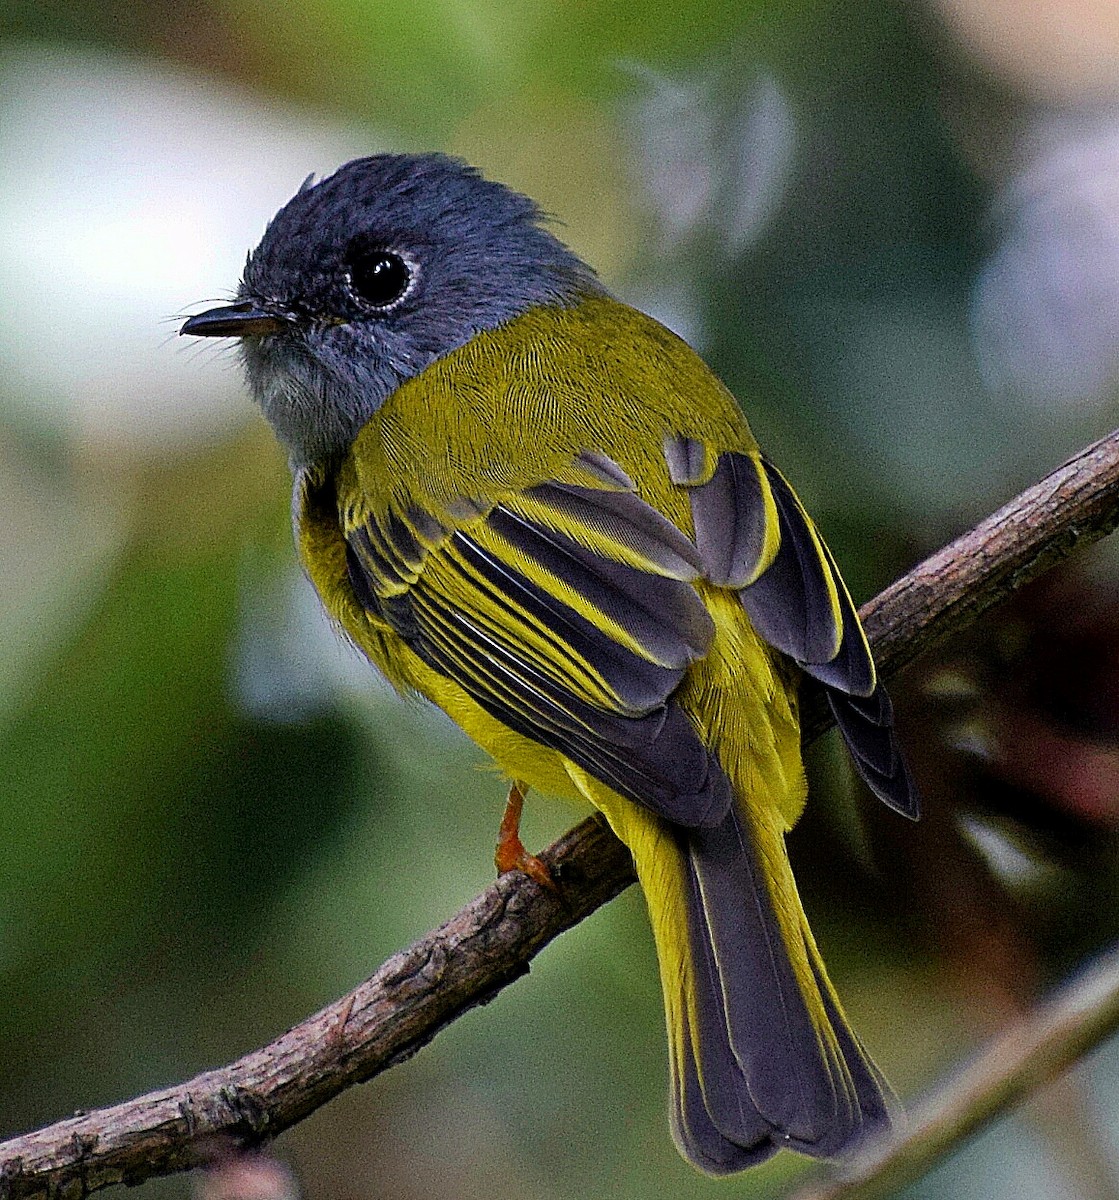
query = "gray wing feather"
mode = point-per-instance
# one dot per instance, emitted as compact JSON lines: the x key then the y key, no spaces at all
{"x":729,"y":515}
{"x":790,"y":605}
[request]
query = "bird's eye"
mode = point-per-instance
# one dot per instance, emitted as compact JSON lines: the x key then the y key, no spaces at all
{"x":378,"y":278}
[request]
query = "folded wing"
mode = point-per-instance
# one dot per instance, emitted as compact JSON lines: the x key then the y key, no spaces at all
{"x":579,"y":649}
{"x":754,"y":534}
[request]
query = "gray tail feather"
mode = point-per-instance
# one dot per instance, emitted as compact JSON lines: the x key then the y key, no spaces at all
{"x":867,"y":726}
{"x":760,"y":1071}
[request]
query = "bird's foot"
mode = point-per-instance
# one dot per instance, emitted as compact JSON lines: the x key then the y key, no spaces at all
{"x":511,"y":854}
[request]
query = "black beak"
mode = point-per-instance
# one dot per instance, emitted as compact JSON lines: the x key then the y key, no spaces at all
{"x":235,"y":320}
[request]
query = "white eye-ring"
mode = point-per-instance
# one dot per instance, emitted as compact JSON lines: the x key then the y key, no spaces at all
{"x":378,"y":278}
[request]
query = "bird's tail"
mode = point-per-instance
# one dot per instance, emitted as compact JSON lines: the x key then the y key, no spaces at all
{"x":762,"y":1056}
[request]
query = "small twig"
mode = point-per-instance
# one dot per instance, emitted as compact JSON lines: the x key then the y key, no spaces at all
{"x":492,"y":940}
{"x":1020,"y":1059}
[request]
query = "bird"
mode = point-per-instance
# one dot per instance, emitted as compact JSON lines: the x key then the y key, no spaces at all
{"x":537,"y":507}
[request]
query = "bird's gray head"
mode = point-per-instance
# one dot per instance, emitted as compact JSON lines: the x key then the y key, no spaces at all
{"x":363,"y":279}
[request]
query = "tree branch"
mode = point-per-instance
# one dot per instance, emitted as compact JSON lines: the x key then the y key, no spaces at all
{"x":492,"y":940}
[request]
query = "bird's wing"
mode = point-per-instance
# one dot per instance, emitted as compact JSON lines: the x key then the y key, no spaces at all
{"x":754,"y":535}
{"x":567,"y":612}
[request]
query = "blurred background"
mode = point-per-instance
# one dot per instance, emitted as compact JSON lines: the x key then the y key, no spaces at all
{"x":893,"y":228}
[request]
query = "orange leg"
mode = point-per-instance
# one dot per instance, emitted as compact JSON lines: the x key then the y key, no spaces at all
{"x":510,"y":854}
